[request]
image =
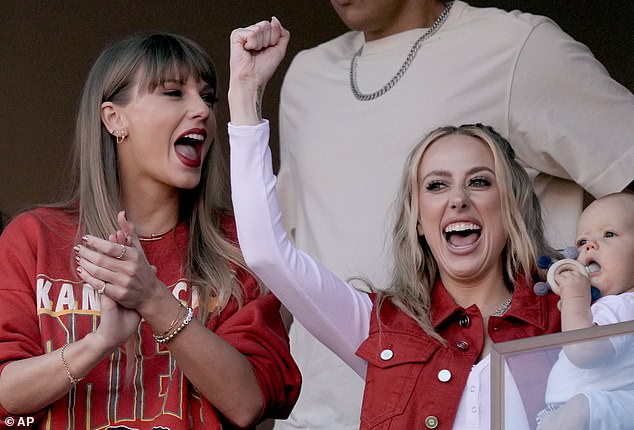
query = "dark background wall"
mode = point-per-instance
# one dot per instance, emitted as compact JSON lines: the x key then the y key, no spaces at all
{"x":47,"y":47}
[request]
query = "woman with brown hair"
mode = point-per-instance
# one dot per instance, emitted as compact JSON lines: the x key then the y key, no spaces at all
{"x":143,"y":252}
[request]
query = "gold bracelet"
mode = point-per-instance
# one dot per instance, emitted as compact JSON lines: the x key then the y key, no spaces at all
{"x":174,"y":321}
{"x":187,"y":320}
{"x":71,"y":378}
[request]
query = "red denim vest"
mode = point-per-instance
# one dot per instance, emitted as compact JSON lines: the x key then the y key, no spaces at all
{"x":407,"y":385}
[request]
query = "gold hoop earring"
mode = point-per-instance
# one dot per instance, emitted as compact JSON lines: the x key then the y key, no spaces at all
{"x":120,"y":135}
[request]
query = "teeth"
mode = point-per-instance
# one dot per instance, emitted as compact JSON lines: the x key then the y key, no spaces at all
{"x":461,"y":226}
{"x":194,"y":136}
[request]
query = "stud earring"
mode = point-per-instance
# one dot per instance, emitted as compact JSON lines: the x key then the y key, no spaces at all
{"x":121,"y":135}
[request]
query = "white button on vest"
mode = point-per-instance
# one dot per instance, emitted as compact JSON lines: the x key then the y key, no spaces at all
{"x":444,"y":375}
{"x":386,"y":354}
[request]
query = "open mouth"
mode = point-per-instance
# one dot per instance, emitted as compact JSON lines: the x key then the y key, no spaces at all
{"x":188,"y":148}
{"x":462,"y":234}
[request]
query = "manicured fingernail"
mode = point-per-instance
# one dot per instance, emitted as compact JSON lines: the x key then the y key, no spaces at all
{"x":77,"y":258}
{"x":84,"y":238}
{"x":76,"y":248}
{"x":78,"y":269}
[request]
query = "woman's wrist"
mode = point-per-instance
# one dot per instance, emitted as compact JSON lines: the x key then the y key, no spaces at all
{"x":80,"y":357}
{"x":245,"y":103}
{"x":71,"y":376}
{"x":178,"y":324}
{"x":164,"y":312}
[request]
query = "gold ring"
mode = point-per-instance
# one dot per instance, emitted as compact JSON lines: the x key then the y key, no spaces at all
{"x":102,"y":290}
{"x":123,"y":249}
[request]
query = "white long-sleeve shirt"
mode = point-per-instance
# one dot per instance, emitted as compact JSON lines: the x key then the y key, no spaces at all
{"x":327,"y":306}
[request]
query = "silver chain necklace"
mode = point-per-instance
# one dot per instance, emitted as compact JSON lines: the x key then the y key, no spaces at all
{"x":408,"y":61}
{"x":506,"y":304}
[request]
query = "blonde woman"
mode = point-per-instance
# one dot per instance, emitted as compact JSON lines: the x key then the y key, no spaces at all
{"x":467,"y":236}
{"x":143,"y":253}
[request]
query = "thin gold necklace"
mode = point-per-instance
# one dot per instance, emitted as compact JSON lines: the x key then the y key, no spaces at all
{"x":155,"y":236}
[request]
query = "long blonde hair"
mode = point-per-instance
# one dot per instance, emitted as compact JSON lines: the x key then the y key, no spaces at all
{"x":95,"y":188}
{"x":415,"y":269}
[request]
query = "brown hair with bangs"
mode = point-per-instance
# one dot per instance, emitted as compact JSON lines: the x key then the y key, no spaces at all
{"x":150,"y":60}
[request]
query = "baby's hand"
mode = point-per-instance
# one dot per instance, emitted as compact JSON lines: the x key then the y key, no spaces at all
{"x":573,"y":284}
{"x":561,"y":266}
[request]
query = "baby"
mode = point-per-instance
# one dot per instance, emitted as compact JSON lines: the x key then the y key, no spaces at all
{"x":589,"y":380}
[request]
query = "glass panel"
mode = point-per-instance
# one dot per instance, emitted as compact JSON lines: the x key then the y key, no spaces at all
{"x":565,"y":381}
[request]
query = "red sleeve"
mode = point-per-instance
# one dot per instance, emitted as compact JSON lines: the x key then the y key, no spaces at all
{"x":257,"y":331}
{"x":19,"y":329}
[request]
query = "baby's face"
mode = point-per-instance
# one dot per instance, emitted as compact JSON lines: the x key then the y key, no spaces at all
{"x":605,"y":236}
